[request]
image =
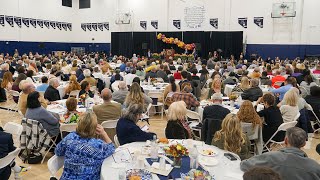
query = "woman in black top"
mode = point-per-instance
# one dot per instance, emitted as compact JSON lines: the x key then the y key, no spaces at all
{"x":85,"y":89}
{"x":272,"y":118}
{"x":177,"y":127}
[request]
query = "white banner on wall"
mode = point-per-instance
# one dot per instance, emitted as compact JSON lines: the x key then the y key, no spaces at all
{"x":143,"y":24}
{"x":154,"y":24}
{"x":194,"y":16}
{"x":177,"y":24}
{"x":18,"y":21}
{"x":2,"y":20}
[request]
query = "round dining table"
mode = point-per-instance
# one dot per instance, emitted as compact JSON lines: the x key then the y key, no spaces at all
{"x":225,"y":169}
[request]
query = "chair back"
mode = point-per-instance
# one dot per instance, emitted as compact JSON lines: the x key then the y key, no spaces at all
{"x":304,"y":91}
{"x":251,"y":132}
{"x":67,"y":128}
{"x":209,"y":128}
{"x":287,"y":125}
{"x":54,"y":164}
{"x":74,"y":93}
{"x":109,"y":124}
{"x":193,"y":115}
{"x":148,"y":109}
{"x":114,"y":86}
{"x":14,"y":93}
{"x":116,"y":141}
{"x":13,"y":128}
{"x":5,"y":161}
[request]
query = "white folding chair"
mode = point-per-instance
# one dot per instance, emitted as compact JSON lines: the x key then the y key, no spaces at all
{"x":67,"y":128}
{"x":254,"y":135}
{"x":74,"y":93}
{"x":109,"y":124}
{"x":309,"y":107}
{"x":282,"y":127}
{"x":194,"y":116}
{"x":114,"y":86}
{"x":116,"y":141}
{"x":304,"y":91}
{"x":54,"y":164}
{"x":157,"y":95}
{"x":5,"y":161}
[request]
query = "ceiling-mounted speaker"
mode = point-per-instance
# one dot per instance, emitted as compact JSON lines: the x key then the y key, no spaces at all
{"x":67,"y":3}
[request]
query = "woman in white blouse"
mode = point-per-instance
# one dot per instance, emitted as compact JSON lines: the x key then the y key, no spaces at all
{"x":290,"y":109}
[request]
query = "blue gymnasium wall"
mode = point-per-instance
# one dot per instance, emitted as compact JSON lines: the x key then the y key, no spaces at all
{"x":48,"y":47}
{"x":283,"y":50}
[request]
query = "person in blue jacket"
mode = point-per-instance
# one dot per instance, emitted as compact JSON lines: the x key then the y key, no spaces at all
{"x":127,"y":129}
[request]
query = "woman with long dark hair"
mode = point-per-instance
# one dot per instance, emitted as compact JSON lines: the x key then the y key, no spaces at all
{"x":169,"y":90}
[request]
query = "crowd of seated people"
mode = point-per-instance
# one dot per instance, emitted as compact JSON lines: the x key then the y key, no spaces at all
{"x":291,"y":86}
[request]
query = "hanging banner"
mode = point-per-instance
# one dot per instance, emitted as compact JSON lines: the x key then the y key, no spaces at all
{"x":18,"y":21}
{"x":69,"y":25}
{"x":64,"y":26}
{"x":143,"y":24}
{"x":84,"y":27}
{"x":89,"y":26}
{"x":26,"y":22}
{"x":154,"y":24}
{"x":214,"y":22}
{"x":94,"y":26}
{"x":46,"y":23}
{"x":194,"y":16}
{"x":2,"y":20}
{"x":258,"y":21}
{"x":33,"y":22}
{"x":40,"y":22}
{"x":106,"y":25}
{"x":100,"y":26}
{"x":59,"y":26}
{"x":53,"y":24}
{"x":177,"y":24}
{"x":9,"y":20}
{"x":243,"y":22}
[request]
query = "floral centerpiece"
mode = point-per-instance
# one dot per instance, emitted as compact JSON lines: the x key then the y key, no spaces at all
{"x":177,"y":151}
{"x":233,"y":97}
{"x":83,"y":98}
{"x":71,"y":118}
{"x":184,"y":57}
{"x":156,"y":56}
{"x":176,"y":56}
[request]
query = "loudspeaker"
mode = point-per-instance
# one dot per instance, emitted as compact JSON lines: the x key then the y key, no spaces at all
{"x":144,"y":46}
{"x":67,"y":3}
{"x":84,"y":4}
{"x":198,"y":46}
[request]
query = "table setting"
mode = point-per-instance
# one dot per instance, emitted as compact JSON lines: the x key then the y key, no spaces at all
{"x":155,"y":87}
{"x":165,"y":159}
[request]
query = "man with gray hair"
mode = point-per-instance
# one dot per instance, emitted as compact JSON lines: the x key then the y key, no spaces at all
{"x":28,"y":88}
{"x":120,"y":96}
{"x":108,"y":110}
{"x":254,"y":92}
{"x":4,"y":68}
{"x":88,"y":78}
{"x":52,"y":93}
{"x":290,"y":162}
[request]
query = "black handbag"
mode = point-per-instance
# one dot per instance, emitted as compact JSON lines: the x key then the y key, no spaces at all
{"x":34,"y":159}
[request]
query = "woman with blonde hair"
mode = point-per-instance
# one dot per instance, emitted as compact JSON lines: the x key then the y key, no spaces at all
{"x":7,"y":81}
{"x":73,"y":85}
{"x":85,"y":149}
{"x":135,"y":96}
{"x":244,"y":85}
{"x":65,"y":68}
{"x":231,"y":138}
{"x":290,"y":108}
{"x":216,"y":87}
{"x":248,"y":114}
{"x":177,"y":127}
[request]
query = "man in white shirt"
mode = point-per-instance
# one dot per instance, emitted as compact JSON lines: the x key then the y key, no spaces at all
{"x":129,"y":77}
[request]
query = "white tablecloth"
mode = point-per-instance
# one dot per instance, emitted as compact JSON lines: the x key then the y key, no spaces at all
{"x":158,"y":87}
{"x":224,"y":170}
{"x":61,"y":88}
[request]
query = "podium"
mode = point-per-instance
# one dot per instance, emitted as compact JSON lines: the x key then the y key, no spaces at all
{"x":169,"y":53}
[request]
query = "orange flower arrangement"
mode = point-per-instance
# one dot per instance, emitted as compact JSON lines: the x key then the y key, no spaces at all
{"x":177,"y":150}
{"x":176,"y":41}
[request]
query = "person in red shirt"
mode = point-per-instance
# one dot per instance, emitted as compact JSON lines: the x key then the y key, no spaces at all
{"x":277,"y":78}
{"x":177,"y":75}
{"x":317,"y":70}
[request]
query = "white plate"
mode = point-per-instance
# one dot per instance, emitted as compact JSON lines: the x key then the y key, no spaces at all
{"x":208,"y":161}
{"x":203,"y":152}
